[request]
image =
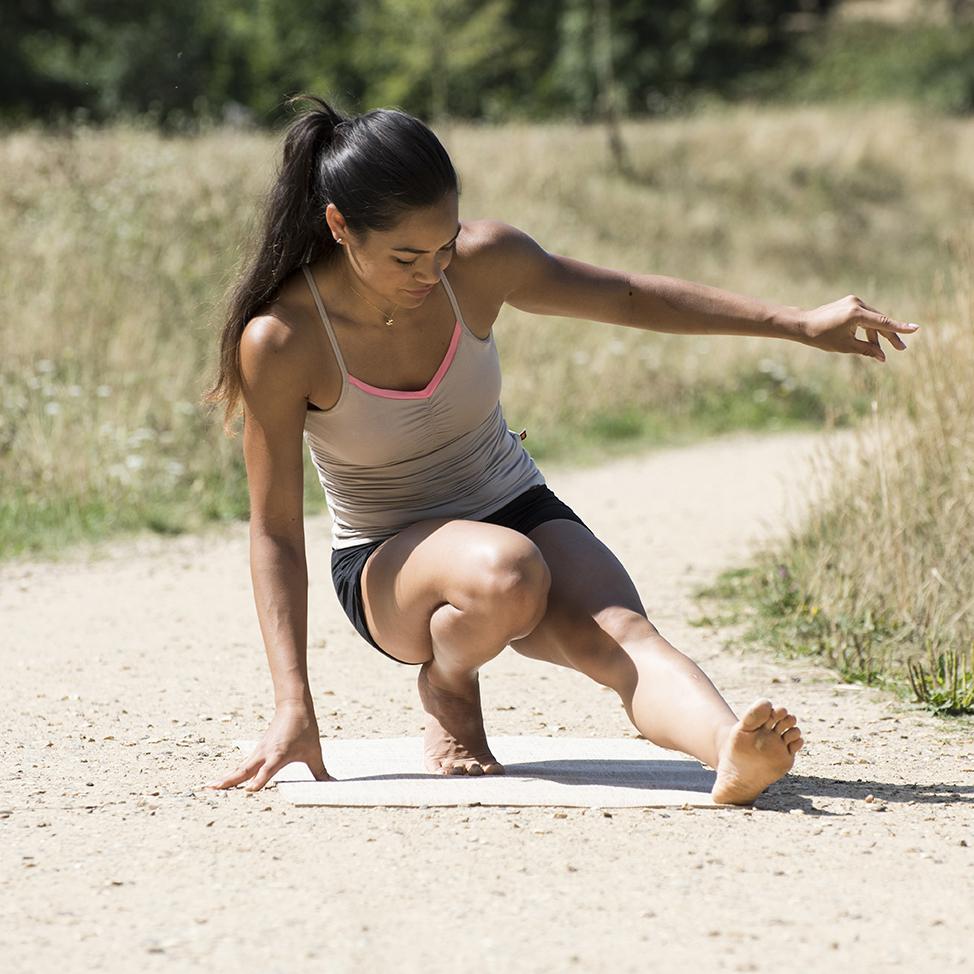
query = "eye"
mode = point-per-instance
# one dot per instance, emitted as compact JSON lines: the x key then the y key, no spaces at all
{"x":408,"y":263}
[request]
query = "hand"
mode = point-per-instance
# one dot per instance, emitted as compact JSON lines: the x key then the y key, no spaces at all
{"x":291,"y":736}
{"x":832,"y":327}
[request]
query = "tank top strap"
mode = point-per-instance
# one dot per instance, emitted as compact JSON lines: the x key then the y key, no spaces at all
{"x":452,"y":297}
{"x":309,"y":277}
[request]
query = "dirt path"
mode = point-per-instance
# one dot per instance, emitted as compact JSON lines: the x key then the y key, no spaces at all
{"x":125,"y":678}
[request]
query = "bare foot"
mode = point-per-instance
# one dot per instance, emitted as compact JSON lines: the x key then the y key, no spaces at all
{"x":455,"y":741}
{"x":759,"y":749}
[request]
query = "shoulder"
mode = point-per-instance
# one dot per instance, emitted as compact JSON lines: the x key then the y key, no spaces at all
{"x":500,"y":253}
{"x":273,"y":352}
{"x":494,"y":240}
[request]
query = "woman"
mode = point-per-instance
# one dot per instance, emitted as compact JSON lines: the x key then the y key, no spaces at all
{"x":447,"y":543}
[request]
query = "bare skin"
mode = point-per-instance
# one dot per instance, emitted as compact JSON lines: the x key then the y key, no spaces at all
{"x":451,"y":594}
{"x":455,"y":741}
{"x":592,"y":621}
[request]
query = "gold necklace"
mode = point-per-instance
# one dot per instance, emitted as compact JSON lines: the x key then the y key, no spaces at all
{"x":388,"y":320}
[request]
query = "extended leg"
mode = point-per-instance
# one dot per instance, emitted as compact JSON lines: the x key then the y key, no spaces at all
{"x":595,"y":623}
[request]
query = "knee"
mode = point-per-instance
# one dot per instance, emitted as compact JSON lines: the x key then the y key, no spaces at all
{"x":513,"y":581}
{"x":624,"y":623}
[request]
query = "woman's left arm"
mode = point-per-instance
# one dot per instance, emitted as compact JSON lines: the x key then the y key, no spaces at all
{"x":544,"y":283}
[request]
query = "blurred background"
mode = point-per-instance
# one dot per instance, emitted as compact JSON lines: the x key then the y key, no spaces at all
{"x":793,"y":150}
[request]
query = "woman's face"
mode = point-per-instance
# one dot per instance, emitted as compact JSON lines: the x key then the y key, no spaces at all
{"x":401,"y":265}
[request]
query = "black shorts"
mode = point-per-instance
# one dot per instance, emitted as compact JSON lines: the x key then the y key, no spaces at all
{"x":530,"y":508}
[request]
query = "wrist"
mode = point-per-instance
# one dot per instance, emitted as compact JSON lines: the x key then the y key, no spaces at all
{"x":789,"y":322}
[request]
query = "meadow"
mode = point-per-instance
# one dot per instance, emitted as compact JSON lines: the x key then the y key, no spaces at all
{"x":117,"y":247}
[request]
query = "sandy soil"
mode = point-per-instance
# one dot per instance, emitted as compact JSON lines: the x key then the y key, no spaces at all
{"x":126,"y":675}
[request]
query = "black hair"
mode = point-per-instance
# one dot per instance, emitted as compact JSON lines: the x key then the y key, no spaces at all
{"x":373,"y":167}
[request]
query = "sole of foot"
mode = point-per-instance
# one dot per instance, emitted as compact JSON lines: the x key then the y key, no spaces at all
{"x":758,"y":750}
{"x":455,"y":742}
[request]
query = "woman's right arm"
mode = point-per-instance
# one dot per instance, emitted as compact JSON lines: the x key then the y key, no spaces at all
{"x":273,"y":367}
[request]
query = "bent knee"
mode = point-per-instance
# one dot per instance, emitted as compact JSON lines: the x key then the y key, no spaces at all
{"x":511,"y":580}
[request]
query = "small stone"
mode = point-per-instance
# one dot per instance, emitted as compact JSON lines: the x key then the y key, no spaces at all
{"x":870,"y":798}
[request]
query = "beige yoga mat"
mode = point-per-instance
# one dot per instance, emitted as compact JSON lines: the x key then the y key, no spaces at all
{"x":582,"y":772}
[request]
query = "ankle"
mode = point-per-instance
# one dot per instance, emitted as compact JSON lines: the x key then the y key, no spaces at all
{"x":453,"y":680}
{"x":720,"y":737}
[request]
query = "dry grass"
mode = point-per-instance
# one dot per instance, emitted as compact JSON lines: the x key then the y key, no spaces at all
{"x":879,"y":578}
{"x":116,"y":247}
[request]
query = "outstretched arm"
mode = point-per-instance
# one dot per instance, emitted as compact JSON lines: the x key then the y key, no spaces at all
{"x":545,"y":283}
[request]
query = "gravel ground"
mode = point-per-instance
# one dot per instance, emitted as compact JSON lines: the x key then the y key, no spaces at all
{"x":129,"y":668}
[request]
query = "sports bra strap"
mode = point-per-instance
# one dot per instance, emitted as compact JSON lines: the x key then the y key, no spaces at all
{"x":451,"y":295}
{"x":324,"y":317}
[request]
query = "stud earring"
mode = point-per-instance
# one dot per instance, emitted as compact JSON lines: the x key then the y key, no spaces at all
{"x":338,"y":239}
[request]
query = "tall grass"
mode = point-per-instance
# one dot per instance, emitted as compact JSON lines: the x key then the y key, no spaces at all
{"x":880,"y":576}
{"x":116,"y":247}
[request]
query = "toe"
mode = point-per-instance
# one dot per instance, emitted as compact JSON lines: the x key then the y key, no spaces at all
{"x":796,"y":745}
{"x":492,"y":767}
{"x":455,"y":769}
{"x":786,"y":724}
{"x":777,"y":714}
{"x":791,"y":735}
{"x":475,"y":769}
{"x":757,"y":714}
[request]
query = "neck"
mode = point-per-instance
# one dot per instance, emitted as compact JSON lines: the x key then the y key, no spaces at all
{"x":365,"y":297}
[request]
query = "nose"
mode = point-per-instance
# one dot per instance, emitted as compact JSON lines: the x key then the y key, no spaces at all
{"x":422,"y":284}
{"x":438,"y":262}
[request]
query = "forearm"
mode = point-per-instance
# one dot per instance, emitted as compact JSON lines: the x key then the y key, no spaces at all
{"x":280,"y":578}
{"x":669,"y":304}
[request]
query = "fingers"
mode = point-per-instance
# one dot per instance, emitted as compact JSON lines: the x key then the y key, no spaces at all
{"x":868,"y":349}
{"x":264,"y":775}
{"x":317,"y":768}
{"x":872,"y":338}
{"x":871,"y":318}
{"x":243,"y":772}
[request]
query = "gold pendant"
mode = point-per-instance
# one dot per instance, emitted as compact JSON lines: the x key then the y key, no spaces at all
{"x":389,"y":322}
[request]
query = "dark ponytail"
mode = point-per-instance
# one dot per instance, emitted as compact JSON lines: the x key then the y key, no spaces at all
{"x":373,"y":167}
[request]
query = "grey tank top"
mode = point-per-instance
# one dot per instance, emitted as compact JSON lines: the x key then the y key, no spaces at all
{"x":388,"y":458}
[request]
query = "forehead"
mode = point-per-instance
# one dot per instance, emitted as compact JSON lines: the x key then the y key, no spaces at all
{"x":426,"y":229}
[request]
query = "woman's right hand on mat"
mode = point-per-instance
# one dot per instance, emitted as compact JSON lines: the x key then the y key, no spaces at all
{"x":292,"y":736}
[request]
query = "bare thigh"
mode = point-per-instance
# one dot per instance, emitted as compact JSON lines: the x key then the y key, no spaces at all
{"x":593,"y":606}
{"x":437,"y":562}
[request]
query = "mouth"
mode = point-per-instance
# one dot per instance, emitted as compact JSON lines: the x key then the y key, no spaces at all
{"x":421,"y":293}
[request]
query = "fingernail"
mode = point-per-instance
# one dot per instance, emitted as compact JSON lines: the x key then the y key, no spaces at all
{"x":912,"y":324}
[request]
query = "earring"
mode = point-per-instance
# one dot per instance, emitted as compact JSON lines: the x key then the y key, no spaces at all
{"x":338,"y":239}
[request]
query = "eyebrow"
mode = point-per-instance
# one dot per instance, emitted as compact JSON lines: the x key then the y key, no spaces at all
{"x":413,"y":250}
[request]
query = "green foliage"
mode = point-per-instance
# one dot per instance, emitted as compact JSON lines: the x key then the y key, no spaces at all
{"x":781,"y":615}
{"x":946,"y":686}
{"x":777,"y":613}
{"x":184,"y":60}
{"x":865,"y":61}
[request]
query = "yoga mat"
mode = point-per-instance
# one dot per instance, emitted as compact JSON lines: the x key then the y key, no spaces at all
{"x":581,"y":772}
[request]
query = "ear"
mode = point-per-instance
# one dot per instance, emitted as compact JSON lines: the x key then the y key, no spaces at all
{"x":336,"y":222}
